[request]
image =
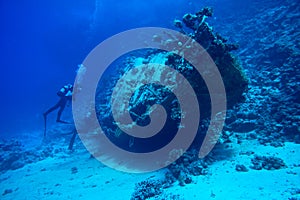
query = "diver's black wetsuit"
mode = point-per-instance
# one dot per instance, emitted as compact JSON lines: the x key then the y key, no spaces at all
{"x":61,"y":104}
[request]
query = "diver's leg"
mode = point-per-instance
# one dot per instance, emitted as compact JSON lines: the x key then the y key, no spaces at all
{"x":61,"y":109}
{"x":52,"y":109}
{"x":72,"y":140}
{"x":46,"y":113}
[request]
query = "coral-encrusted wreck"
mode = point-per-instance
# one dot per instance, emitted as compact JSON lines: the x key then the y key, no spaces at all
{"x":195,"y":26}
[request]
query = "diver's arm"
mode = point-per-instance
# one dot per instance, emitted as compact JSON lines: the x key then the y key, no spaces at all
{"x":69,"y":94}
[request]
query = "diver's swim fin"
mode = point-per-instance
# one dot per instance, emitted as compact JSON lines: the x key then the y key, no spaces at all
{"x":72,"y":140}
{"x":63,"y":122}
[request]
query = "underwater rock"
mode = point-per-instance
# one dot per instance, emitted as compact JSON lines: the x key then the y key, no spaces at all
{"x":7,"y":191}
{"x":277,"y":143}
{"x":147,"y":189}
{"x":218,"y":48}
{"x":17,"y":159}
{"x":15,"y":155}
{"x":247,"y":153}
{"x":184,"y":178}
{"x":188,"y":164}
{"x":273,"y":60}
{"x":226,"y":137}
{"x":297,"y":139}
{"x":267,"y":162}
{"x":293,"y":198}
{"x":153,"y":189}
{"x":233,"y":75}
{"x":198,"y":168}
{"x":207,"y":11}
{"x":241,"y":168}
{"x":178,"y":24}
{"x":74,"y":170}
{"x":272,"y":98}
{"x":295,"y":191}
{"x":243,"y":126}
{"x":11,"y":155}
{"x":169,"y":179}
{"x":190,"y":20}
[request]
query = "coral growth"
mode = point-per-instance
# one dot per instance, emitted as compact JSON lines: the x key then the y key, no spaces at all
{"x":146,"y":189}
{"x":143,"y":98}
{"x":267,"y":162}
{"x":231,"y":70}
{"x":185,"y":167}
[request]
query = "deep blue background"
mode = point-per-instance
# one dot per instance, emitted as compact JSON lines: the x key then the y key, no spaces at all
{"x":42,"y":42}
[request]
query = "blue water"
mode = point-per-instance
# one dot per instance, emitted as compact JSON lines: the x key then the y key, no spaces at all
{"x":42,"y":42}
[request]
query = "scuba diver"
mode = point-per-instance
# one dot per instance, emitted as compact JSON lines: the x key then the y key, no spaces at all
{"x":65,"y":94}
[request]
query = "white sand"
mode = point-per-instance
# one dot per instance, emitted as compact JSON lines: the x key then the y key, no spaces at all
{"x":224,"y":182}
{"x":53,"y":179}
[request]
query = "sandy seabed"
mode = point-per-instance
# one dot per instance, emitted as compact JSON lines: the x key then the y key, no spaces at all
{"x":75,"y":175}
